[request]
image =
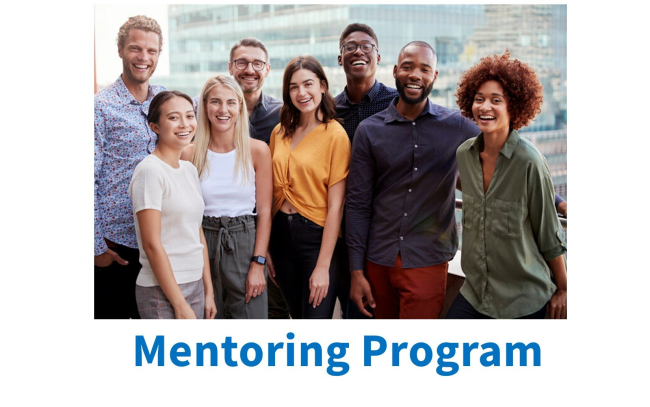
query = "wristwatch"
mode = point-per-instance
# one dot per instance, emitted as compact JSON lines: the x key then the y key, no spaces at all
{"x":259,"y":260}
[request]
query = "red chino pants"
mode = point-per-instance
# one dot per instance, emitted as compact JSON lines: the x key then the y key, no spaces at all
{"x":415,"y":293}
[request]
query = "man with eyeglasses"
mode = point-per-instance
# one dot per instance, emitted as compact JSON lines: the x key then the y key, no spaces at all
{"x":249,"y":65}
{"x":362,"y":97}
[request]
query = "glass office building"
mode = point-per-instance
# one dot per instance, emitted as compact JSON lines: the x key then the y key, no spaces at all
{"x":200,"y":38}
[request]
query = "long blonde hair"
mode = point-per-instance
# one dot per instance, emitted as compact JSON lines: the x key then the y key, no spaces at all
{"x":243,"y":162}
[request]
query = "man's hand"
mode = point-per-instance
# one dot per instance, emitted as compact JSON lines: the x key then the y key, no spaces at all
{"x":360,"y":292}
{"x":108,"y":257}
{"x":255,"y":282}
{"x":561,"y":208}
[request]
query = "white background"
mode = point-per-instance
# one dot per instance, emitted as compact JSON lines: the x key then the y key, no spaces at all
{"x":53,"y":352}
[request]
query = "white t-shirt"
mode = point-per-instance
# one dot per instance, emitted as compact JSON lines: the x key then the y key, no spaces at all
{"x":176,"y":193}
{"x":222,"y":193}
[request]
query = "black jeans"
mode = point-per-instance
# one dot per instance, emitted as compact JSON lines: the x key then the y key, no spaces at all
{"x":115,"y":286}
{"x":295,"y":246}
{"x":462,"y":309}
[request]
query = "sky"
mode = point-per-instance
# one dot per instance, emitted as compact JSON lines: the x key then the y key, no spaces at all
{"x":108,"y":20}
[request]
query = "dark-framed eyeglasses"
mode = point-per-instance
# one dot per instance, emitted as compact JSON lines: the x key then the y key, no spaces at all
{"x":351,"y":47}
{"x":243,"y":64}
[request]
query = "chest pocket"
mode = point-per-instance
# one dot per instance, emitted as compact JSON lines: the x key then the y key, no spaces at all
{"x":506,"y":218}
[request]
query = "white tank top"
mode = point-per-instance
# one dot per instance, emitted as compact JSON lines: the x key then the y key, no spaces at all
{"x":222,"y":193}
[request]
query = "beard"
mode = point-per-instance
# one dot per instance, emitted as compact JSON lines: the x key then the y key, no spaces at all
{"x":412,"y":101}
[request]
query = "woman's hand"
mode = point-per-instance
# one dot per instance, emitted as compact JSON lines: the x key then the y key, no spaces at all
{"x":318,"y":284}
{"x":210,"y":307}
{"x":271,"y":267}
{"x":556,"y":306}
{"x":255,"y":282}
{"x":184,"y":312}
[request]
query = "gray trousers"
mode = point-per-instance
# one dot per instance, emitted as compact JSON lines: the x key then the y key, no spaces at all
{"x":153,"y":303}
{"x":231,"y":242}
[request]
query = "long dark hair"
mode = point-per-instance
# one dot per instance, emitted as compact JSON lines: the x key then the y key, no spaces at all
{"x":290,"y":115}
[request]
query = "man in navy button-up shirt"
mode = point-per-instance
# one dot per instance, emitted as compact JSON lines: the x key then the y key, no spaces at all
{"x":400,"y":195}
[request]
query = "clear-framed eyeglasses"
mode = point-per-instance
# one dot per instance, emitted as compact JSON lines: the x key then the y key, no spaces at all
{"x":243,"y":64}
{"x":351,"y":47}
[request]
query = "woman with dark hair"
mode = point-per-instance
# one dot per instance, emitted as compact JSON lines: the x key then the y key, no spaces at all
{"x":174,"y":281}
{"x":311,"y":154}
{"x":513,"y":243}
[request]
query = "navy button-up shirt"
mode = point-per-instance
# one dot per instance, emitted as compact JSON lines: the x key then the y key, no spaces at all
{"x":377,"y":99}
{"x":400,"y":189}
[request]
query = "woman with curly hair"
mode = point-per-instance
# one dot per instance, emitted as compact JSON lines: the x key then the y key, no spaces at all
{"x":513,"y":243}
{"x":311,"y":155}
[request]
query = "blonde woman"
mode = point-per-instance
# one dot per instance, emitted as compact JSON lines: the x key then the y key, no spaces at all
{"x":235,"y":176}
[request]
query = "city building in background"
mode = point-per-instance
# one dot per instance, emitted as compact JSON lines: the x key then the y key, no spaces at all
{"x":200,"y":38}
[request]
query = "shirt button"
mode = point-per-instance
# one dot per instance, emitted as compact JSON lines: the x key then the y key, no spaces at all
{"x":410,"y":190}
{"x":401,"y":238}
{"x":405,"y":214}
{"x":414,"y":123}
{"x":289,"y":217}
{"x":416,"y":146}
{"x":415,"y":169}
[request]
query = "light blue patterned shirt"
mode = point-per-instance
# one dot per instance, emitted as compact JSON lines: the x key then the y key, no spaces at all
{"x":122,"y":139}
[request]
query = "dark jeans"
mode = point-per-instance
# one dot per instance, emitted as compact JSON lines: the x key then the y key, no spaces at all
{"x":115,"y":286}
{"x":295,"y":246}
{"x":462,"y":309}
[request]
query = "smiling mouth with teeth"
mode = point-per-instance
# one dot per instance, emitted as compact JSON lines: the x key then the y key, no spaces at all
{"x":358,"y":63}
{"x":187,"y":133}
{"x":142,"y":66}
{"x":418,"y":87}
{"x":223,"y":118}
{"x":487,"y":117}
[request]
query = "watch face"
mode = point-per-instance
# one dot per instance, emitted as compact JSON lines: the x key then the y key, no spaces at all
{"x":259,"y":260}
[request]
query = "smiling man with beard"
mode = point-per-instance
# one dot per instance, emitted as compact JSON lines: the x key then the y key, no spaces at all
{"x":122,"y":140}
{"x":400,"y":196}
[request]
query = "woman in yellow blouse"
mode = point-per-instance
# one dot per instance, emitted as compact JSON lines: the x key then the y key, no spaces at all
{"x":311,"y":154}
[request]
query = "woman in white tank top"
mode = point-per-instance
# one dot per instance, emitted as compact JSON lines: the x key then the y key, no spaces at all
{"x":237,"y":187}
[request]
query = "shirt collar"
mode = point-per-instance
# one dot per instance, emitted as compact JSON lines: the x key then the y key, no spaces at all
{"x":508,"y":148}
{"x":393,"y":115}
{"x":262,"y":102}
{"x":126,"y":96}
{"x":372,"y":93}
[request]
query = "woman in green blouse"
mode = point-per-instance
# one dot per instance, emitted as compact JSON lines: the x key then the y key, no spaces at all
{"x":513,"y":243}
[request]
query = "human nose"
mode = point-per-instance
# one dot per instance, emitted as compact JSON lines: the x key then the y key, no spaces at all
{"x":249,"y":67}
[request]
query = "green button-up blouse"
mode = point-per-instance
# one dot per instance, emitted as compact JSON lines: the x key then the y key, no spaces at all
{"x":509,"y":232}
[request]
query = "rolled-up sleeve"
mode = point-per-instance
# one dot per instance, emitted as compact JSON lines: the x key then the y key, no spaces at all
{"x":546,"y":227}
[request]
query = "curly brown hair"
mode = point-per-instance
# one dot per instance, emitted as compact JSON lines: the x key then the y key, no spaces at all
{"x":141,"y":23}
{"x":523,"y":92}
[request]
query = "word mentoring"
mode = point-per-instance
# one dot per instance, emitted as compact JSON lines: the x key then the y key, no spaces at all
{"x":375,"y":349}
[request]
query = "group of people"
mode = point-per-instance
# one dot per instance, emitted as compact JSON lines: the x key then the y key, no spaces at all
{"x":199,"y":202}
